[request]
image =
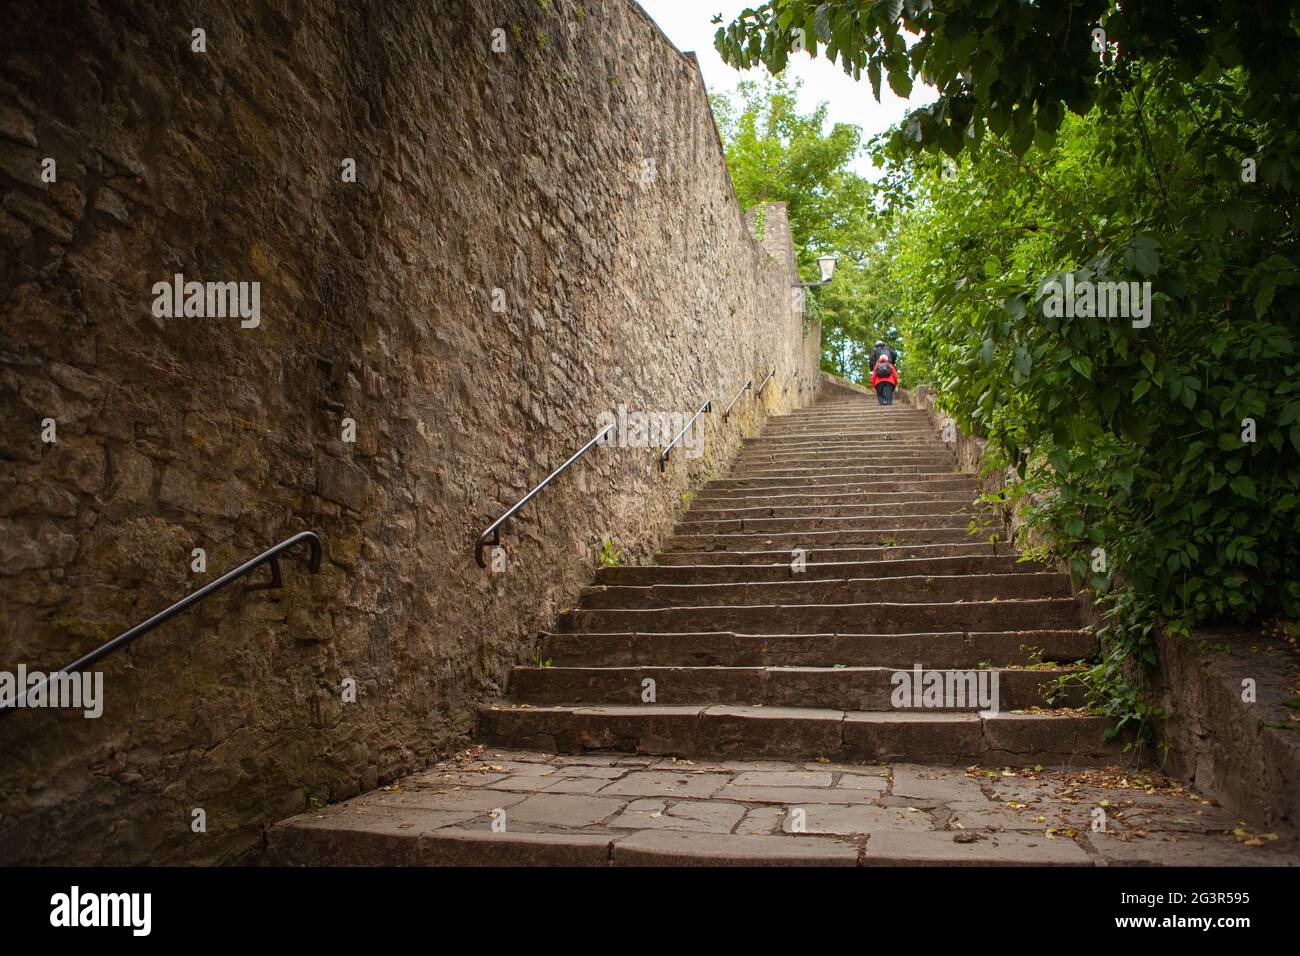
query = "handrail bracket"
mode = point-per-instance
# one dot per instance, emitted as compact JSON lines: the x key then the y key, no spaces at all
{"x":276,"y":582}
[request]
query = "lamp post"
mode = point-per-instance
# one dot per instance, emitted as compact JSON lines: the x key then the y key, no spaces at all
{"x":827,"y":266}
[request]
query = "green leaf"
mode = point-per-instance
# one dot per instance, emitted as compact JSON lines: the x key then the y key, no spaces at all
{"x":1263,"y":299}
{"x":900,"y":81}
{"x":1143,"y":255}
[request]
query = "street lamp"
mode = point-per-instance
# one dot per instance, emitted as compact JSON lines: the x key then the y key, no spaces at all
{"x":827,"y":266}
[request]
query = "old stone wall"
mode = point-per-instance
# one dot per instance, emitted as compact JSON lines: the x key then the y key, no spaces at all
{"x":541,"y":229}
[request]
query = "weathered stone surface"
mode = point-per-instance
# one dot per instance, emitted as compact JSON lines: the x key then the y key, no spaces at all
{"x":410,"y":822}
{"x":26,"y":546}
{"x":17,"y":125}
{"x":1165,"y":849}
{"x":655,"y":783}
{"x":939,"y":784}
{"x":564,"y":810}
{"x":855,"y":820}
{"x":673,"y":848}
{"x":1244,"y":754}
{"x":784,"y":778}
{"x":910,"y":848}
{"x":39,"y":215}
{"x":701,"y":816}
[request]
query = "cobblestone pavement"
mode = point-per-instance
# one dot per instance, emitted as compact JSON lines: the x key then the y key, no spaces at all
{"x":602,"y":808}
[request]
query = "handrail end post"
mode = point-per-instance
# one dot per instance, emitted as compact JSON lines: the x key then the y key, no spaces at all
{"x":315,"y":552}
{"x":483,"y":542}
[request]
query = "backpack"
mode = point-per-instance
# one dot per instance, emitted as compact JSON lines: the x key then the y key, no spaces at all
{"x":883,"y":368}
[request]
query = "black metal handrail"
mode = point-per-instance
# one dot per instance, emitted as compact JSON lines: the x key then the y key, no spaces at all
{"x":494,"y":529}
{"x":727,"y":411}
{"x":765,"y":381}
{"x":663,"y":458}
{"x":270,"y":556}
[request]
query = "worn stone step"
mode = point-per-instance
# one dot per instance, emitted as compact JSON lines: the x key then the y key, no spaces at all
{"x":932,"y":481}
{"x":782,"y":571}
{"x":846,"y":430}
{"x":813,"y":470}
{"x":881,"y":617}
{"x":899,"y":517}
{"x":736,"y":731}
{"x":814,"y":474}
{"x":812,"y":538}
{"x":851,"y":437}
{"x":836,"y":688}
{"x":781,"y":428}
{"x":962,"y":490}
{"x":861,"y":429}
{"x":810,"y":589}
{"x":775,"y":555}
{"x":791,"y":448}
{"x":813,"y":464}
{"x":794,"y":444}
{"x":891,"y":456}
{"x":909,"y":506}
{"x":866,"y":412}
{"x":828,"y":649}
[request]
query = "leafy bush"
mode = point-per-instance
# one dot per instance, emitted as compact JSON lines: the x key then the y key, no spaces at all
{"x":1163,"y":151}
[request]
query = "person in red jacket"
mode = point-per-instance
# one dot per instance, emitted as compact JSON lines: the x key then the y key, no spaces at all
{"x":884,"y":379}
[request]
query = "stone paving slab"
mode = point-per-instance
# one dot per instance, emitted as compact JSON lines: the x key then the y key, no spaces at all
{"x":492,"y":806}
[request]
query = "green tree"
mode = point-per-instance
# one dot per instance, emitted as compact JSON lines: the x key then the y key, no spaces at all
{"x":1163,"y":154}
{"x":776,"y":153}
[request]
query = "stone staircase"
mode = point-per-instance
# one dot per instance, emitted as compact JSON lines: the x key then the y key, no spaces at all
{"x":772,"y":737}
{"x":725,"y":649}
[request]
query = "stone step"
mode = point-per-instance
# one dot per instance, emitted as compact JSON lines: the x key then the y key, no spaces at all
{"x":835,"y":688}
{"x":780,"y":428}
{"x":810,"y":469}
{"x":861,"y":433}
{"x":869,"y":411}
{"x":880,"y":617}
{"x":635,"y":575}
{"x":737,"y":731}
{"x":827,"y":649}
{"x":909,"y":506}
{"x":784,"y":440}
{"x":849,"y":459}
{"x":873,"y":413}
{"x":862,"y":537}
{"x":754,"y":447}
{"x":868,"y":429}
{"x":897,"y":518}
{"x":826,"y":590}
{"x":895,"y":455}
{"x":813,"y":474}
{"x":775,"y":555}
{"x":871,"y":429}
{"x":963,"y":489}
{"x":936,"y":481}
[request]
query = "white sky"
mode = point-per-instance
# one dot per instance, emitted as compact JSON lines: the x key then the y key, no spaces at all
{"x":686,"y":22}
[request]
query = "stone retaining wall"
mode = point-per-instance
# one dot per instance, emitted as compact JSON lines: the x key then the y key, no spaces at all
{"x":541,"y":229}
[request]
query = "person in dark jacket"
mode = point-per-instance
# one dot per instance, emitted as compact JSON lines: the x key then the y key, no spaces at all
{"x":884,"y":379}
{"x":882,"y":349}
